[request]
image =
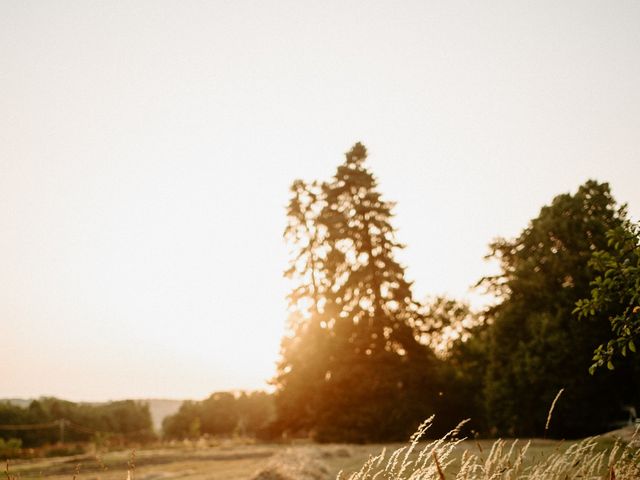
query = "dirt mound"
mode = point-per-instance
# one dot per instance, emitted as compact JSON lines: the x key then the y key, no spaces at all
{"x":295,"y":464}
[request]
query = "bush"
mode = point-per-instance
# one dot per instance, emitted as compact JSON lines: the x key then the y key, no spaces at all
{"x":10,"y":448}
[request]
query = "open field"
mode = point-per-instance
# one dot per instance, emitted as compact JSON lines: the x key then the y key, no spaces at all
{"x":230,"y":461}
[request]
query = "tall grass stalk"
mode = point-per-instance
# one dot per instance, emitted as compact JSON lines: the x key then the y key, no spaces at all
{"x":442,"y":460}
{"x":553,"y":405}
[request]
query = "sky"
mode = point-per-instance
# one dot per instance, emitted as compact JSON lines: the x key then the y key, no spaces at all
{"x":147,"y":148}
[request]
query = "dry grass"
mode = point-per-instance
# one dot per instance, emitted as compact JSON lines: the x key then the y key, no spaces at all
{"x":437,"y":460}
{"x":447,"y":458}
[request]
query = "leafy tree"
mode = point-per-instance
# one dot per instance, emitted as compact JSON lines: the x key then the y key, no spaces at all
{"x":536,"y":345}
{"x":459,"y":336}
{"x":221,"y":414}
{"x":615,"y":293}
{"x":352,"y":367}
{"x":465,"y":369}
{"x":445,"y":322}
{"x":255,"y":413}
{"x":185,"y":423}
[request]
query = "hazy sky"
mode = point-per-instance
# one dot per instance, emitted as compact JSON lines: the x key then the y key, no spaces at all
{"x":146,"y":149}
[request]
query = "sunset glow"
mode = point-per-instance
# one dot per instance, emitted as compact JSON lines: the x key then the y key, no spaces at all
{"x":147,"y":149}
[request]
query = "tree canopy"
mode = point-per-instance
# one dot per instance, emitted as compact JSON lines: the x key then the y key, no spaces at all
{"x":352,"y":367}
{"x":222,"y":414}
{"x":615,"y":293}
{"x":537,"y":346}
{"x":364,"y":361}
{"x":123,"y":421}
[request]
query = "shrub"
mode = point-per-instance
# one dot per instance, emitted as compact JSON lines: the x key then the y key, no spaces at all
{"x":10,"y":448}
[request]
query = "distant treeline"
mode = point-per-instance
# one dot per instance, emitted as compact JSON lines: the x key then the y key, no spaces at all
{"x":49,"y":420}
{"x":222,"y":414}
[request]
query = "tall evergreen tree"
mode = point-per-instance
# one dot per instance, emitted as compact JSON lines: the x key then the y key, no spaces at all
{"x":303,"y":348}
{"x":351,"y":368}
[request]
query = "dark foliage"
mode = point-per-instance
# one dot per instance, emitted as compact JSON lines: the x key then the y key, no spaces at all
{"x":39,"y":423}
{"x":352,"y":367}
{"x":536,"y":345}
{"x":222,"y":414}
{"x":615,"y":294}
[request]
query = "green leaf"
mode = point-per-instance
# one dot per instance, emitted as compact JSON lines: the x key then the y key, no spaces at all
{"x":632,"y":346}
{"x":610,"y":365}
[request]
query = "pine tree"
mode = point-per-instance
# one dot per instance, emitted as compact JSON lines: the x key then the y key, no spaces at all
{"x":303,"y":348}
{"x":352,"y":368}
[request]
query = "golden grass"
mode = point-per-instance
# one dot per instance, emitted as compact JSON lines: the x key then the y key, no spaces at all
{"x":437,"y":460}
{"x":447,"y":458}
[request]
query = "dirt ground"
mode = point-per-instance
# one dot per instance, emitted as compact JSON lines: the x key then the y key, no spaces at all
{"x":225,"y":462}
